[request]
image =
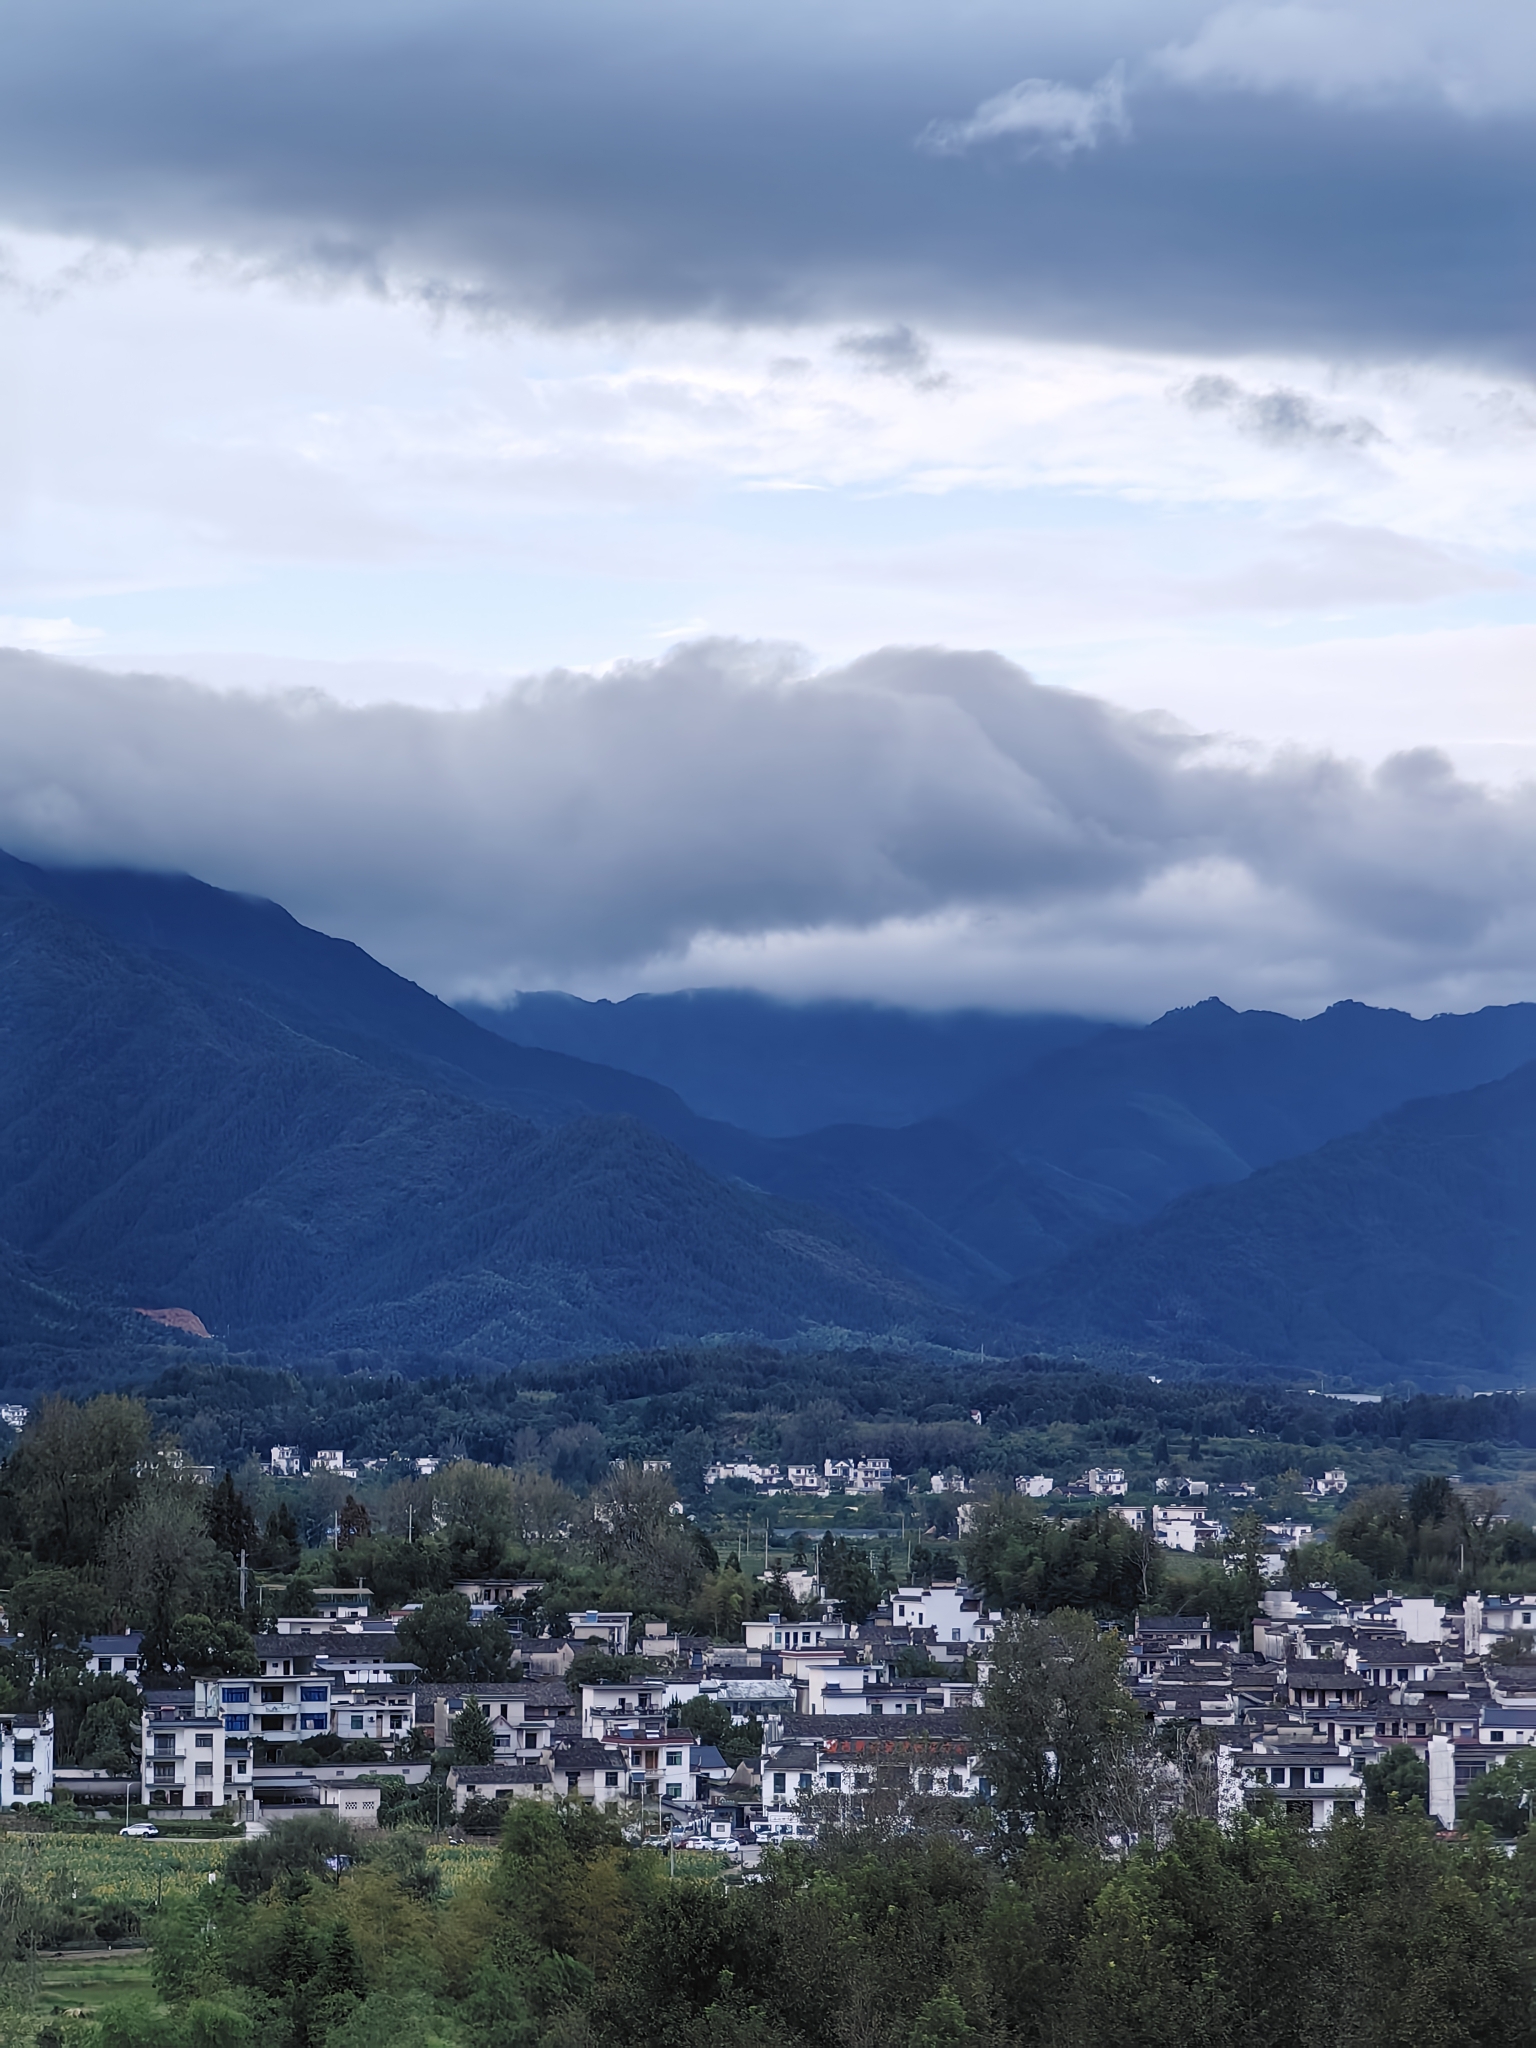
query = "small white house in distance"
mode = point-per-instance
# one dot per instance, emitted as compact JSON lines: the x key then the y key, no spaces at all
{"x":286,"y":1461}
{"x":114,"y":1656}
{"x":609,"y":1632}
{"x":1105,"y":1479}
{"x":1331,"y":1482}
{"x":778,"y":1634}
{"x":1186,"y":1528}
{"x":803,"y":1478}
{"x":1035,"y":1487}
{"x":332,"y":1461}
{"x":955,"y":1613}
{"x":26,"y":1759}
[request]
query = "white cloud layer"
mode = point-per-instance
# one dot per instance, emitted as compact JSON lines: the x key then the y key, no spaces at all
{"x":1039,"y":114}
{"x":923,"y":825}
{"x":1477,"y":57}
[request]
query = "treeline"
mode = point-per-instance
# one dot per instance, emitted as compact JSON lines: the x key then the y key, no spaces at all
{"x":1370,"y":1935}
{"x":694,"y":1405}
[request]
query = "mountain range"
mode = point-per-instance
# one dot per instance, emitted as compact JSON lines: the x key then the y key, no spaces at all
{"x":206,"y":1104}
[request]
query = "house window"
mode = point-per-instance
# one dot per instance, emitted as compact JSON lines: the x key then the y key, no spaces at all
{"x":780,"y":1782}
{"x":674,"y":1792}
{"x":203,"y":1771}
{"x":834,"y":1781}
{"x":877,"y":1707}
{"x":1277,"y":1774}
{"x":21,"y":1784}
{"x":1317,"y":1774}
{"x":356,"y":1720}
{"x":956,"y":1782}
{"x":572,"y":1781}
{"x":1495,"y":1734}
{"x":611,"y":1778}
{"x":954,"y":1635}
{"x":237,"y":1721}
{"x":165,"y":1774}
{"x":23,"y":1753}
{"x":237,"y":1695}
{"x":165,"y":1745}
{"x":674,"y":1759}
{"x":202,"y":1741}
{"x":203,"y":1798}
{"x":104,"y":1666}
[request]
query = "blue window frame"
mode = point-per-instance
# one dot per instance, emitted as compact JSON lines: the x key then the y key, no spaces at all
{"x":233,"y":1722}
{"x":237,"y":1695}
{"x":314,"y":1692}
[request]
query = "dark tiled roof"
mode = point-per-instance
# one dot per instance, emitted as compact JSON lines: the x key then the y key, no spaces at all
{"x":582,"y":1755}
{"x":500,"y":1774}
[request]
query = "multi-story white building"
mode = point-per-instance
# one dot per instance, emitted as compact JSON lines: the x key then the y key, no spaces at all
{"x":184,"y":1757}
{"x":26,"y":1759}
{"x":286,"y":1461}
{"x":332,"y":1461}
{"x":1036,"y":1486}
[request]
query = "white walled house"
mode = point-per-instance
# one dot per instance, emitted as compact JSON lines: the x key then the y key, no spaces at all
{"x":777,"y":1634}
{"x":1313,"y":1780}
{"x":955,"y":1613}
{"x":114,"y":1656}
{"x":26,"y":1759}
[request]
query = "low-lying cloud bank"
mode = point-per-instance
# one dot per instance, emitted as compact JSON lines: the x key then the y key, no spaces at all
{"x":921,"y":824}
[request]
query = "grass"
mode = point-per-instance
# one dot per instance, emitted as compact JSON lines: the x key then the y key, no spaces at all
{"x":75,"y":1984}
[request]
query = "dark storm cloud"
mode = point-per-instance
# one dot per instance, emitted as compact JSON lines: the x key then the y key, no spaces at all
{"x":1113,"y":172}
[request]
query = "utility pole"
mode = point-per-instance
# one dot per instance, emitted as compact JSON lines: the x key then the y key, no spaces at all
{"x":242,"y":1581}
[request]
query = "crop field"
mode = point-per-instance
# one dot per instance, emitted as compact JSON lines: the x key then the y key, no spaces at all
{"x":98,"y":1877}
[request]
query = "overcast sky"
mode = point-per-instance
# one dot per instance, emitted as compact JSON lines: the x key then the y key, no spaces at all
{"x":465,"y":470}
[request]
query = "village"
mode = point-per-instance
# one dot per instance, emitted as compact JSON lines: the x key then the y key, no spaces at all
{"x":1297,"y":1707}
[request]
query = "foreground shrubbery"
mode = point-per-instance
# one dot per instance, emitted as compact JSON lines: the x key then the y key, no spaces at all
{"x":1374,"y":1934}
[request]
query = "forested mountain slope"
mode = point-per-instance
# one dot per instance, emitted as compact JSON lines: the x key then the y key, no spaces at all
{"x":1207,"y":1094}
{"x":332,"y":991}
{"x":169,"y":1140}
{"x":782,"y":1068}
{"x":1412,"y":1242}
{"x":1086,"y":1137}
